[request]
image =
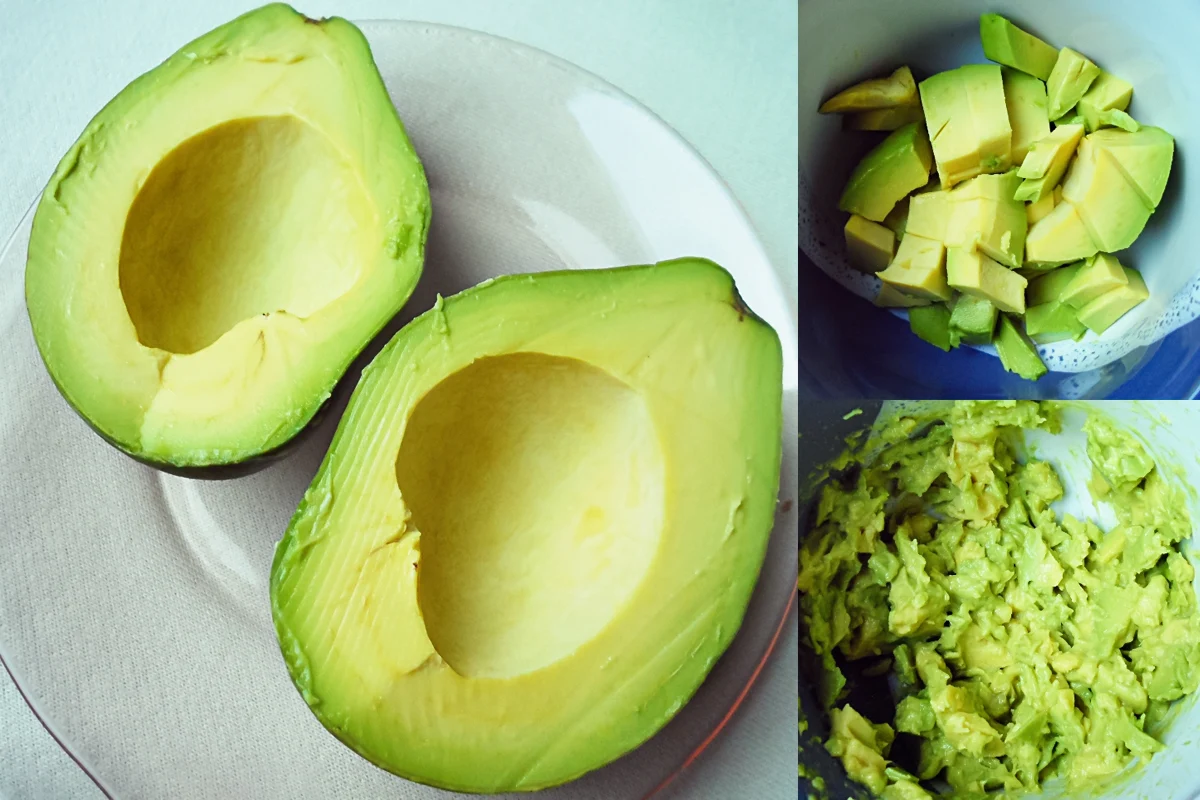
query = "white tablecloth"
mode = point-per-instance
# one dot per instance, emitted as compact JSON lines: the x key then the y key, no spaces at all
{"x":722,"y":72}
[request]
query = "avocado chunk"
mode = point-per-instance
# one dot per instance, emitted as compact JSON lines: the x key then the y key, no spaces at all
{"x":1098,"y":277}
{"x":1047,"y":161}
{"x":897,"y":219}
{"x":223,"y":239}
{"x":1049,"y":287}
{"x":1119,"y":119}
{"x":972,"y":320}
{"x":1144,"y":157}
{"x":529,"y":543}
{"x":889,"y":296}
{"x":972,"y":272}
{"x":1053,"y":322}
{"x":984,"y":214}
{"x":1070,"y":79}
{"x":1025,"y":97}
{"x":1017,"y":353}
{"x":868,"y":244}
{"x":1038,"y":209}
{"x":931,"y":323}
{"x":1107,"y":93}
{"x":896,"y":90}
{"x":896,"y":166}
{"x":1109,"y":205}
{"x":884,"y":119}
{"x":1059,"y":238}
{"x":928,"y":214}
{"x":919,"y":268}
{"x":1005,"y":43}
{"x":1100,"y":313}
{"x":967,"y":119}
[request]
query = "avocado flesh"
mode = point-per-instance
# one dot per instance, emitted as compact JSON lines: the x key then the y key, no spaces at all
{"x":896,"y":166}
{"x":1016,"y":351}
{"x":586,"y":492}
{"x":1025,"y":97}
{"x":932,"y":323}
{"x":1070,"y":79}
{"x":224,"y":238}
{"x":1007,"y":44}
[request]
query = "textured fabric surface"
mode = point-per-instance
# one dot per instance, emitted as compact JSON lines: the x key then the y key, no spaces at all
{"x":721,"y":73}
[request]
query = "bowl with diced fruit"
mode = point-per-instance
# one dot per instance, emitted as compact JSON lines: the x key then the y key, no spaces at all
{"x":994,"y":204}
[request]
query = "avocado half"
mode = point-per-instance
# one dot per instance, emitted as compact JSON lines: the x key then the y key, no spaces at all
{"x":538,"y":525}
{"x":224,"y":238}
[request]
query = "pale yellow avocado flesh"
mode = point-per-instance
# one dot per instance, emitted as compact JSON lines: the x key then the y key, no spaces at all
{"x":530,"y":541}
{"x":224,"y":238}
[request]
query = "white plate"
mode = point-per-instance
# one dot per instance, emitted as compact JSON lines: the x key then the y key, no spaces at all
{"x":134,"y":611}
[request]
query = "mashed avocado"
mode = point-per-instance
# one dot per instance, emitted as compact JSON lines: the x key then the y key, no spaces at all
{"x":1019,"y":645}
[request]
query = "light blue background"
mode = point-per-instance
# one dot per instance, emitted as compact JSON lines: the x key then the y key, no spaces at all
{"x":721,"y":72}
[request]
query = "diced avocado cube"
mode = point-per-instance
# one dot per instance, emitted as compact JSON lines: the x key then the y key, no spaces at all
{"x":1007,"y":44}
{"x":972,"y":320}
{"x":897,"y":218}
{"x":884,"y":119}
{"x":1016,"y":352}
{"x":1111,"y":208}
{"x":1143,"y":156}
{"x":869,"y":244}
{"x":891,"y":297}
{"x":1059,"y":238}
{"x":1119,"y":119}
{"x":1071,"y":77}
{"x":919,"y":268}
{"x":928,"y":214}
{"x":972,"y":272}
{"x":967,"y":119}
{"x":1049,"y":287}
{"x":1053,"y":322}
{"x":1072,"y":117}
{"x":931,"y":323}
{"x":1103,"y":274}
{"x":1025,"y":97}
{"x":1107,"y":93}
{"x":898,"y":165}
{"x":897,"y":89}
{"x":984,"y":214}
{"x":1101,"y":313}
{"x":1046,"y":162}
{"x":1039,"y":208}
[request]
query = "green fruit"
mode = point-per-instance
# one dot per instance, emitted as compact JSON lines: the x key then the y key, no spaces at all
{"x":538,"y":525}
{"x":224,"y":238}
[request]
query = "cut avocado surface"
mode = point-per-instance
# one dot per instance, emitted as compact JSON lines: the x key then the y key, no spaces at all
{"x":919,"y":268}
{"x":868,"y":244}
{"x":224,"y":238}
{"x":1025,"y":97}
{"x":972,"y":320}
{"x":897,"y":90}
{"x":529,"y":542}
{"x":967,"y":120}
{"x":1100,"y":313}
{"x":1053,"y":322}
{"x":1103,"y":274}
{"x":884,"y":119}
{"x":1017,"y":353}
{"x":898,"y":165}
{"x":931,"y":323}
{"x":1071,"y":77}
{"x":1107,"y":93}
{"x":1109,"y":205}
{"x":1005,"y":43}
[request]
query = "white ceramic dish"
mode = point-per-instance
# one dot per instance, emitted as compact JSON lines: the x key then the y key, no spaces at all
{"x":133,"y":604}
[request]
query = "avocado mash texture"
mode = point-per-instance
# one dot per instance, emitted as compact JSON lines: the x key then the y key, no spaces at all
{"x":1019,"y":645}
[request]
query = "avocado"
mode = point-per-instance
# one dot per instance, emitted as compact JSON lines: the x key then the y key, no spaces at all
{"x":529,"y":542}
{"x":223,"y":239}
{"x":983,"y":214}
{"x":1107,"y":93}
{"x":1053,"y":322}
{"x":1017,"y":353}
{"x":1070,"y":79}
{"x":972,"y":272}
{"x":919,"y":268}
{"x":1038,"y":209}
{"x":896,"y":166}
{"x":868,"y":244}
{"x":1007,"y":44}
{"x":1046,"y":162}
{"x":967,"y":119}
{"x":1109,"y":205}
{"x":1098,"y":277}
{"x":1025,"y":97}
{"x":884,"y":119}
{"x":928,"y":214}
{"x":1144,"y":157}
{"x":896,"y":90}
{"x":1100,"y":313}
{"x":897,"y":219}
{"x":931,"y":323}
{"x":889,"y":296}
{"x":1059,"y":238}
{"x":972,"y":320}
{"x":1049,"y":287}
{"x":1119,"y":119}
